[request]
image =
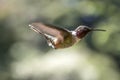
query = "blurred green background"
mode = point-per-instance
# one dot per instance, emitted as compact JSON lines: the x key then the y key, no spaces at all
{"x":25,"y":55}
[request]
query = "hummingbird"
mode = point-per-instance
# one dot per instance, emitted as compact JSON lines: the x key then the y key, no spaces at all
{"x":57,"y":37}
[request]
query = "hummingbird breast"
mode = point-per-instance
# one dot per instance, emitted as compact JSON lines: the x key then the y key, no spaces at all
{"x":68,"y":41}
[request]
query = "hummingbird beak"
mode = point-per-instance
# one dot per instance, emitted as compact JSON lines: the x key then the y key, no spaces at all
{"x":98,"y":30}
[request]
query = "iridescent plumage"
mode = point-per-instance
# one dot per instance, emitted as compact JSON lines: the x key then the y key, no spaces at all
{"x":58,"y":37}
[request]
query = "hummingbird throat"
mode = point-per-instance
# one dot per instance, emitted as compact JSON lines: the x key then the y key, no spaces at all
{"x":82,"y":33}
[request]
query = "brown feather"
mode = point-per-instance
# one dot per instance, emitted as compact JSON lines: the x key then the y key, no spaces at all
{"x":52,"y":30}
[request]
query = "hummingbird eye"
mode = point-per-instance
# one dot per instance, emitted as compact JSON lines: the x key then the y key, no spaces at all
{"x":82,"y":31}
{"x":85,"y":29}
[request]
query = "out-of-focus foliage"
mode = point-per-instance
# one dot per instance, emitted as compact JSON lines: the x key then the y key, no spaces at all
{"x":25,"y":55}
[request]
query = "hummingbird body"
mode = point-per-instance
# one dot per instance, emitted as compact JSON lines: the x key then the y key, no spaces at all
{"x":59,"y":37}
{"x":68,"y":41}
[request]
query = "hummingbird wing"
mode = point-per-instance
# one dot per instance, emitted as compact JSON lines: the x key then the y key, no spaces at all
{"x":53,"y":34}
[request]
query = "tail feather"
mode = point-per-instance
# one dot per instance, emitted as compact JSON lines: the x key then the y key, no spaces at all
{"x":34,"y":29}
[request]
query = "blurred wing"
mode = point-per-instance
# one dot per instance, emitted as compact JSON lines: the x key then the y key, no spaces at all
{"x":49,"y":30}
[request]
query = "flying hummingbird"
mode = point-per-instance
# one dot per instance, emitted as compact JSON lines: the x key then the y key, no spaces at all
{"x":59,"y":37}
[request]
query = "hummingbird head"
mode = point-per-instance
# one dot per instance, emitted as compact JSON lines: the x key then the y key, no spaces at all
{"x":81,"y":31}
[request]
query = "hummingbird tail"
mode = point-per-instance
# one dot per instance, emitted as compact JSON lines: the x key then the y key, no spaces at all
{"x":34,"y":29}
